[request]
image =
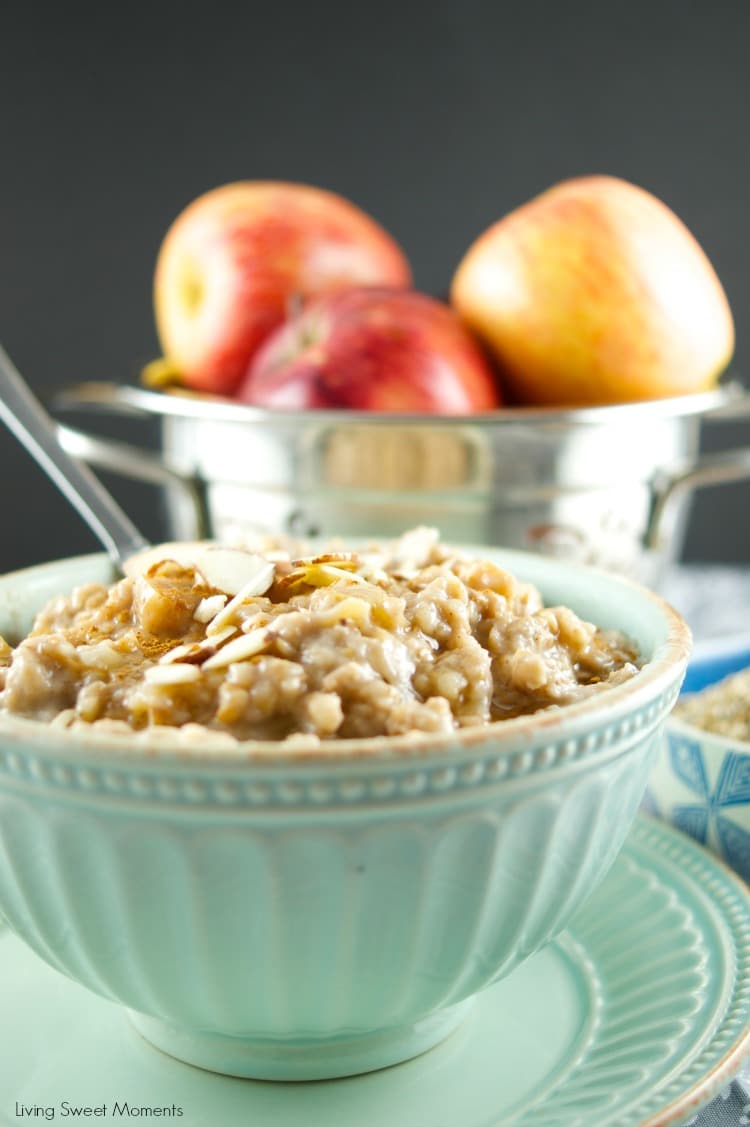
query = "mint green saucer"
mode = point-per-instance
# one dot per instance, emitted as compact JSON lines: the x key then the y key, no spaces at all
{"x":638,"y":1015}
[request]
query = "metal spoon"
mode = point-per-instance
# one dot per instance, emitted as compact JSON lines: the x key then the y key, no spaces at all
{"x":24,"y":415}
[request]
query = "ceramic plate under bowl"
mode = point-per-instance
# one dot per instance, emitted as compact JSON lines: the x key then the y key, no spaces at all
{"x":636,"y":1016}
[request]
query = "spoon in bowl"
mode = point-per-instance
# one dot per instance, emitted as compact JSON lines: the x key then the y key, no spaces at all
{"x":227,"y":569}
{"x":27,"y":419}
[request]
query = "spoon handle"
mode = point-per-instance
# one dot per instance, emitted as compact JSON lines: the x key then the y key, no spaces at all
{"x":24,"y":415}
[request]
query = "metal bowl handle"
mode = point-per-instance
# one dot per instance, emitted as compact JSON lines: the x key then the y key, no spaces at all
{"x":736,"y":409}
{"x":671,"y":484}
{"x":100,"y":395}
{"x":139,"y":465}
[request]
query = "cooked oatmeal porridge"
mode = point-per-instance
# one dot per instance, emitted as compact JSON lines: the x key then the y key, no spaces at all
{"x":405,"y":638}
{"x":723,"y":708}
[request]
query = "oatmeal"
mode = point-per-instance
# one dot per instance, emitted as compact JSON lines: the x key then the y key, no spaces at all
{"x":409,"y":637}
{"x":723,"y":708}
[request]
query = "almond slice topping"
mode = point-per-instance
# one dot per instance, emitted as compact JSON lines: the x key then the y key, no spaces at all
{"x":252,"y":589}
{"x":193,"y":652}
{"x":225,"y":569}
{"x":209,"y":608}
{"x":171,"y":674}
{"x":240,"y":649}
{"x":348,"y":560}
{"x":233,"y":571}
{"x":316,"y":574}
{"x":184,"y":552}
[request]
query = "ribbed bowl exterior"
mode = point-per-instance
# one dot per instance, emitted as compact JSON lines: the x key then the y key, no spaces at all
{"x":270,"y":911}
{"x":364,"y":890}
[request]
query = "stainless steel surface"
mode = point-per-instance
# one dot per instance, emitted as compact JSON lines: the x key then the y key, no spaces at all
{"x":607,"y":485}
{"x":127,"y":461}
{"x":727,"y":400}
{"x":29,"y":422}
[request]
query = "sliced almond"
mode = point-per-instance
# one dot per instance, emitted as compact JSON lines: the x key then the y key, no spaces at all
{"x":171,"y":674}
{"x":207,"y":609}
{"x":225,"y":569}
{"x":315,"y":574}
{"x":333,"y":573}
{"x":232,"y":571}
{"x":252,"y":589}
{"x":240,"y":649}
{"x":278,"y":556}
{"x":196,"y":652}
{"x":183,"y":551}
{"x":180,"y":653}
{"x":348,"y":560}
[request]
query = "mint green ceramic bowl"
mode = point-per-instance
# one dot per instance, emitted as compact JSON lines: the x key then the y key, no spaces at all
{"x":297,"y":918}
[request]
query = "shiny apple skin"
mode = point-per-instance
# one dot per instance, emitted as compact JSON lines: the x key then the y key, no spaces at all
{"x":237,"y":259}
{"x":373,"y":349}
{"x":592,"y":293}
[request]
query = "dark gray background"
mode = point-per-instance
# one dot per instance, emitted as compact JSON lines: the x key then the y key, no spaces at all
{"x":435,"y":117}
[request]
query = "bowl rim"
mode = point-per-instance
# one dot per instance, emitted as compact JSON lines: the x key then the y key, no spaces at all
{"x":180,"y":402}
{"x":659,"y":675}
{"x":724,"y":646}
{"x":705,"y":652}
{"x":725,"y":744}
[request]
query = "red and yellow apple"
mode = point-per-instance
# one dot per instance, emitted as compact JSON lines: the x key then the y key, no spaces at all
{"x":373,"y":349}
{"x":238,"y":258}
{"x":592,"y":293}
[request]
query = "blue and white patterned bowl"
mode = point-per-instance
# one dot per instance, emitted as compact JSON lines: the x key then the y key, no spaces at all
{"x":701,"y":781}
{"x":297,"y":918}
